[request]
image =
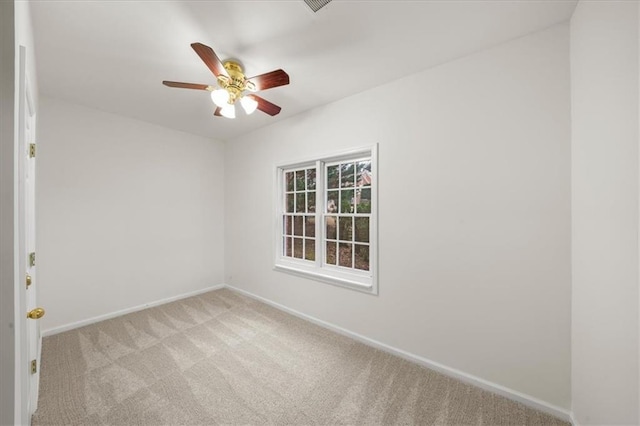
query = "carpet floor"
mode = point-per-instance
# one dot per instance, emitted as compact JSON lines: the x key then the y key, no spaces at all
{"x":223,"y":358}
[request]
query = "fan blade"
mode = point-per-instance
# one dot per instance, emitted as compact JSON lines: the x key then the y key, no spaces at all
{"x":217,"y":112}
{"x":270,"y":80}
{"x":210,"y":59}
{"x":266,"y":106}
{"x":187,"y":85}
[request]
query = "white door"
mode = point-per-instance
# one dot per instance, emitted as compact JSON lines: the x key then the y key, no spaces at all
{"x":33,"y":327}
{"x":31,"y":357}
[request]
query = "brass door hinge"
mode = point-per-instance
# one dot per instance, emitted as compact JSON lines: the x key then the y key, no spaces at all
{"x":32,"y":259}
{"x":34,"y":366}
{"x":32,"y":150}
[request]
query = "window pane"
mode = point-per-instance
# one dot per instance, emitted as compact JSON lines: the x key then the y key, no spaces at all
{"x":333,"y":176}
{"x":345,"y":224}
{"x":332,"y":201}
{"x":287,"y":246}
{"x":311,"y":202}
{"x":362,"y":229}
{"x":331,"y":253}
{"x":310,"y":226}
{"x":288,"y":225}
{"x":297,"y":225}
{"x":363,"y":199}
{"x":347,"y":175}
{"x":300,"y":202}
{"x":300,"y":180}
{"x":331,"y":227}
{"x":310,"y":249}
{"x":290,"y":202}
{"x":364,"y":173}
{"x":346,"y":201}
{"x":311,"y":179}
{"x":289,"y":181}
{"x":345,"y":255}
{"x":362,"y":257}
{"x":297,"y":248}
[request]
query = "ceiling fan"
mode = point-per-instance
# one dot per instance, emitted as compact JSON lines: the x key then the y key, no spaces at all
{"x":232,"y":85}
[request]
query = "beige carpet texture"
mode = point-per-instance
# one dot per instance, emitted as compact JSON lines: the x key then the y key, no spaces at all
{"x":224,"y":358}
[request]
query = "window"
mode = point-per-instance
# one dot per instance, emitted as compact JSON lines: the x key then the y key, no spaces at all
{"x":326,"y":219}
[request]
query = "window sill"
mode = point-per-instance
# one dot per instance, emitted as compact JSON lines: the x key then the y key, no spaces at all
{"x":340,"y":281}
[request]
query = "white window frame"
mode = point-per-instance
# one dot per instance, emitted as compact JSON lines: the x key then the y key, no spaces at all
{"x":364,"y":281}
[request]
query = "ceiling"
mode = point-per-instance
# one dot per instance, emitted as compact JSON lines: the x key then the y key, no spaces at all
{"x":113,"y":55}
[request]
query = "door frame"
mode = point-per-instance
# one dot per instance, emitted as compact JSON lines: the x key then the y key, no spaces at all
{"x":24,"y":406}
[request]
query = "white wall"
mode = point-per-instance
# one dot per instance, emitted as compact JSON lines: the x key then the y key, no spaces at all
{"x":474,"y":214}
{"x":604,"y":83}
{"x":7,"y":207}
{"x":128,"y":213}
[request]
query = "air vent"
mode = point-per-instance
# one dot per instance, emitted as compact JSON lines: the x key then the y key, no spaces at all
{"x":316,"y":5}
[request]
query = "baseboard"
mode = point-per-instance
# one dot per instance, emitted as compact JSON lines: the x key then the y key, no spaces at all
{"x":573,"y":420}
{"x":82,"y":323}
{"x":514,"y":395}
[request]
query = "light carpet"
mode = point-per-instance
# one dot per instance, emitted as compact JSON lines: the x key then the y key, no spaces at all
{"x":223,"y":358}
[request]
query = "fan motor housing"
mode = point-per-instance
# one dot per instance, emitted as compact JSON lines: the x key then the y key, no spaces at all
{"x":236,"y":83}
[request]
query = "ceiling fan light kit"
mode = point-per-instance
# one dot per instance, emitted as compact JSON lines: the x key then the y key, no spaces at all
{"x":248,"y":104}
{"x":228,"y":111}
{"x":233,"y":85}
{"x":220,"y":97}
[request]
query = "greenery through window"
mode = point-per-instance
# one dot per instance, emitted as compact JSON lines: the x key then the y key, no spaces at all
{"x":348,"y":211}
{"x":299,"y":219}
